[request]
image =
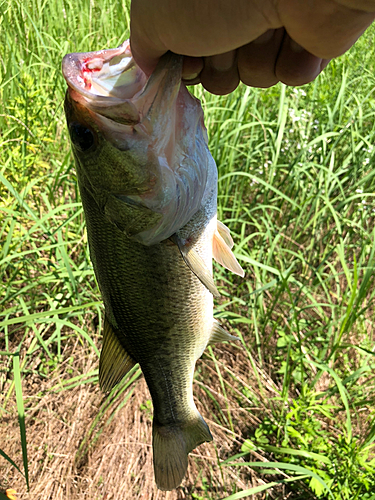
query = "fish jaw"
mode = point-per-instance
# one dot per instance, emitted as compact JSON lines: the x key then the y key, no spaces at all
{"x":160,"y":127}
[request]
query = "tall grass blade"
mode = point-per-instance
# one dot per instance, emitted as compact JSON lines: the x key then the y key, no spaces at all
{"x":21,"y":413}
{"x":280,"y":465}
{"x":7,"y":457}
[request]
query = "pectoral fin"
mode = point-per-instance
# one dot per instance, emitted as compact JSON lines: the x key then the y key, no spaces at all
{"x":221,"y":250}
{"x":114,"y":361}
{"x":219,"y":334}
{"x":195,"y":262}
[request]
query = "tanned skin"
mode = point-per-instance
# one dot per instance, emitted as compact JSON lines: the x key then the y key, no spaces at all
{"x":258,"y":42}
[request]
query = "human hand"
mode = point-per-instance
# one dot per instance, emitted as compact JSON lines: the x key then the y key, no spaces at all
{"x":258,"y":42}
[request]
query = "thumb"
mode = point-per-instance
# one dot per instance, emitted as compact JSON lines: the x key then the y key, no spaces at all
{"x":145,"y":44}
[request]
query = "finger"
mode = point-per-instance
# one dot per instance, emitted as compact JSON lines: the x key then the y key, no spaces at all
{"x":256,"y":60}
{"x":295,"y":65}
{"x":220,"y":75}
{"x":191,"y":68}
{"x":325,"y":28}
{"x":193,"y":81}
{"x":195,"y":28}
{"x":146,"y":46}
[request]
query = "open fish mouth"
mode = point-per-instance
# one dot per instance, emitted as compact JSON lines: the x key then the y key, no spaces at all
{"x":107,"y":73}
{"x":106,"y":82}
{"x":110,"y":76}
{"x":109,"y":83}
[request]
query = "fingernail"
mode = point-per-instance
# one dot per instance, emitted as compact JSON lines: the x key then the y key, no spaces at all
{"x":296,"y":47}
{"x":265,"y":38}
{"x":193,"y":76}
{"x":223,"y":62}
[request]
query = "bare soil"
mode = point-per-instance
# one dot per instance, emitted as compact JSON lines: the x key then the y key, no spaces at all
{"x":74,"y":455}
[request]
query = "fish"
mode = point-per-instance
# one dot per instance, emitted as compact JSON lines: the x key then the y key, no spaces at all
{"x":148,"y":186}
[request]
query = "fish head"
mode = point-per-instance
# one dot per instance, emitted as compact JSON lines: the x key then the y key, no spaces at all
{"x":139,"y":143}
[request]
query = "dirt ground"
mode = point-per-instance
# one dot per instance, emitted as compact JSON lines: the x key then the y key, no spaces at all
{"x":81,"y":446}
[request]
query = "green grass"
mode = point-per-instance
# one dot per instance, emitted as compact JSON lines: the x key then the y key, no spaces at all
{"x":296,"y":187}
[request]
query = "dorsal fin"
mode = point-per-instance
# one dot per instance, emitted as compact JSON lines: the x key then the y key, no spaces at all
{"x":221,"y":250}
{"x":114,"y":361}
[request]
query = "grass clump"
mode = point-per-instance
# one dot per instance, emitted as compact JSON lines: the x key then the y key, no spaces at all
{"x":292,"y":405}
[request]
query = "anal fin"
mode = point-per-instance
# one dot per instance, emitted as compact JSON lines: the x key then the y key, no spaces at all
{"x":219,"y":334}
{"x":114,"y":361}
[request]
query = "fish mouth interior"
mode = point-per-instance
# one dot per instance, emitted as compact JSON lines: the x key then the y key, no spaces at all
{"x":109,"y":73}
{"x":108,"y":78}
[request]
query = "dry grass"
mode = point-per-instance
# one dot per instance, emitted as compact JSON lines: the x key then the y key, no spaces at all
{"x":118,"y":461}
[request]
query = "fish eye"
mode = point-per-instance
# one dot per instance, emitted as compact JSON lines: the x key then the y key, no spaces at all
{"x":81,"y":136}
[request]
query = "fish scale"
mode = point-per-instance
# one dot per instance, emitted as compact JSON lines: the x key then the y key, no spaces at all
{"x":149,"y":288}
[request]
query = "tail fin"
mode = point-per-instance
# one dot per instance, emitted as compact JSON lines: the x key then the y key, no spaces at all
{"x":171,"y":445}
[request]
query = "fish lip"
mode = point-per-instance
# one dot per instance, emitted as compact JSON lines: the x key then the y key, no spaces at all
{"x":76,"y":110}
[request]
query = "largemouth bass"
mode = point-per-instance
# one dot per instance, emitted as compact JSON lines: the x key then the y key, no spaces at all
{"x":148,"y":185}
